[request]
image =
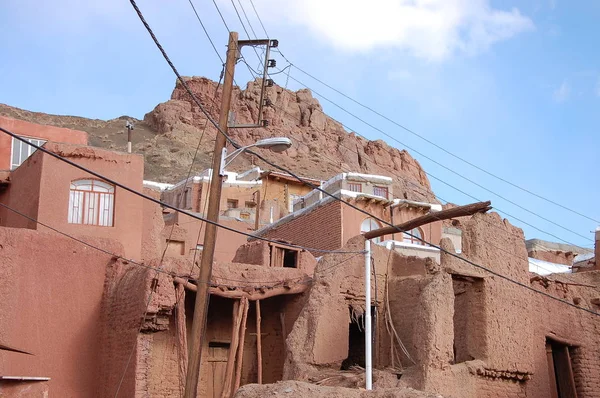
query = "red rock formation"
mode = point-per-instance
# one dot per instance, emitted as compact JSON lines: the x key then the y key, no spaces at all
{"x":322,"y":147}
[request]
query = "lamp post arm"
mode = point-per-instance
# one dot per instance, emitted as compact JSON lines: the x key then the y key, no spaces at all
{"x":226,"y":159}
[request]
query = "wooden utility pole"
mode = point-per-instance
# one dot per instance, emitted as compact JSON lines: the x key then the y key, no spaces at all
{"x":210,"y":235}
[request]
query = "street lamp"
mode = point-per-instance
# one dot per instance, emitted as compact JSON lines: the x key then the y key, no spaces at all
{"x":275,"y":144}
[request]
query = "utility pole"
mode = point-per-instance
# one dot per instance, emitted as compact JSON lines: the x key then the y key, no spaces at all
{"x":210,"y":234}
{"x":129,"y":127}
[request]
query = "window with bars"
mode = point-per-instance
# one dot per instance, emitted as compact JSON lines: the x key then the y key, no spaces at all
{"x":232,"y":203}
{"x":413,"y":236}
{"x":91,"y":202}
{"x":21,"y":151}
{"x":380,"y":191}
{"x":354,"y":187}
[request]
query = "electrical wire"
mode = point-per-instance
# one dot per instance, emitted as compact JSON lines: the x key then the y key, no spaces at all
{"x":252,"y":71}
{"x":441,"y":165}
{"x":452,"y":171}
{"x":434,"y":144}
{"x":499,"y":275}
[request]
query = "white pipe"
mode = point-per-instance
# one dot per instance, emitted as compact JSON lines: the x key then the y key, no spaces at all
{"x":368,"y":338}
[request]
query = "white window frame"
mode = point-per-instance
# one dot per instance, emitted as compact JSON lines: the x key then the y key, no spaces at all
{"x":101,"y":195}
{"x":292,"y":200}
{"x":368,"y":225}
{"x":30,"y":149}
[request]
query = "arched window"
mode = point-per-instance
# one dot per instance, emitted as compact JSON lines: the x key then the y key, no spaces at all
{"x":91,"y":202}
{"x":370,"y":224}
{"x":416,"y":233}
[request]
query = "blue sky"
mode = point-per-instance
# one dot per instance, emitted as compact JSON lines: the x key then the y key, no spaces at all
{"x":513,"y":87}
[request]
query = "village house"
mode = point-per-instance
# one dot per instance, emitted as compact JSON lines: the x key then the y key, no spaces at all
{"x":79,"y":259}
{"x":273,"y":193}
{"x":100,"y":300}
{"x":332,"y":224}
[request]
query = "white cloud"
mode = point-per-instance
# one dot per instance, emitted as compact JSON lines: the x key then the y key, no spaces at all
{"x":430,"y":29}
{"x":562,"y":93}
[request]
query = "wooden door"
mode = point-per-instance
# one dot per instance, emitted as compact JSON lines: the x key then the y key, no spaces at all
{"x":218,"y":353}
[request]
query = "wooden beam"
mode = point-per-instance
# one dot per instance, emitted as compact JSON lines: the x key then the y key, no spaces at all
{"x":460,"y":211}
{"x":258,"y":342}
{"x":181,"y":332}
{"x":235,"y":333}
{"x":297,"y":288}
{"x":240,"y":353}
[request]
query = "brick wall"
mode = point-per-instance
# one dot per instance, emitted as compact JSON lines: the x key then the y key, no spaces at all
{"x":320,"y":228}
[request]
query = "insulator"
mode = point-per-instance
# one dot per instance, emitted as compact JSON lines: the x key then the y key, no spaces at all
{"x":274,"y":43}
{"x":269,"y":83}
{"x":272,"y":63}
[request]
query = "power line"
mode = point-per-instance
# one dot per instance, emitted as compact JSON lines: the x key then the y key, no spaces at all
{"x":259,"y":20}
{"x":436,"y":145}
{"x":429,"y":158}
{"x":252,"y":72}
{"x":159,"y":202}
{"x":300,"y":179}
{"x":452,"y":171}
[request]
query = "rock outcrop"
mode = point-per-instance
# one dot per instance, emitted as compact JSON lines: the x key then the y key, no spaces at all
{"x":169,"y":134}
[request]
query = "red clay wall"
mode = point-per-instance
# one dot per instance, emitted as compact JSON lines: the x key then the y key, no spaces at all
{"x":23,"y":194}
{"x":55,"y":183}
{"x":191,"y":232}
{"x":558,"y":321}
{"x":50,"y":302}
{"x":32,"y":130}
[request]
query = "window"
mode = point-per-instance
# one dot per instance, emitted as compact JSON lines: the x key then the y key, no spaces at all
{"x":21,"y":151}
{"x":284,"y":257}
{"x":370,"y":224}
{"x":250,"y":205}
{"x":416,"y":233}
{"x":293,"y":199}
{"x":244,"y":215}
{"x":354,"y":187}
{"x":187,"y":199}
{"x":91,"y":202}
{"x":232,"y":203}
{"x":380,"y":191}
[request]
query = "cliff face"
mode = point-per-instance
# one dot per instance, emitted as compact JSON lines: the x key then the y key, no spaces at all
{"x":168,"y":137}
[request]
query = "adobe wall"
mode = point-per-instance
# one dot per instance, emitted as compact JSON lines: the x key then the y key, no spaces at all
{"x":152,"y":227}
{"x":319,"y":339}
{"x":489,"y":322}
{"x":554,"y":256}
{"x":23,"y":194}
{"x":568,"y":325}
{"x":319,"y":228}
{"x":126,"y":169}
{"x":50,"y":302}
{"x":259,"y":252}
{"x":191,"y":231}
{"x":32,"y":130}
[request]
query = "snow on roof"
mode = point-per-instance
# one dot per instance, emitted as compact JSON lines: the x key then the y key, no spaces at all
{"x":542,"y":267}
{"x":358,"y":177}
{"x":160,"y":185}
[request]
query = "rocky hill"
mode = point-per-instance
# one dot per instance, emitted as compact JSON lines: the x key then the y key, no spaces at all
{"x":169,"y":134}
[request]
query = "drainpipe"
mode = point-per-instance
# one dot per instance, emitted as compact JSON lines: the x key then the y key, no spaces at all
{"x":368,"y":329}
